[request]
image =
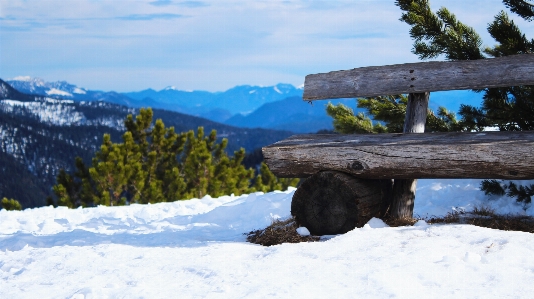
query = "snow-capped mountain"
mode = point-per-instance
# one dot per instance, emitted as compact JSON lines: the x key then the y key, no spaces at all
{"x":65,"y":90}
{"x":39,"y":135}
{"x":244,"y":106}
{"x":216,"y":106}
{"x":39,"y":86}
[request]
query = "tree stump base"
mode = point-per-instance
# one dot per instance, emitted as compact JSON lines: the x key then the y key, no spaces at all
{"x":332,"y":202}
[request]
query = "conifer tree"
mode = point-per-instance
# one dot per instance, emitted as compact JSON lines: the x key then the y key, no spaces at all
{"x":11,"y":204}
{"x":388,"y":110}
{"x":155,"y":164}
{"x":510,"y":108}
{"x":266,"y":181}
{"x":440,"y":33}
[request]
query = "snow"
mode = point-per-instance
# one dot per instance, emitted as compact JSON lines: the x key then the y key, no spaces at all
{"x":55,"y":91}
{"x":48,"y":110}
{"x":59,"y":112}
{"x":303,"y":231}
{"x":22,"y":78}
{"x":277,"y":90}
{"x":197,"y":249}
{"x":79,"y":91}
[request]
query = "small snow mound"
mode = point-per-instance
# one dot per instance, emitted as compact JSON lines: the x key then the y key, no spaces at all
{"x":471,"y":257}
{"x":303,"y":231}
{"x":421,"y":223}
{"x":375,"y":223}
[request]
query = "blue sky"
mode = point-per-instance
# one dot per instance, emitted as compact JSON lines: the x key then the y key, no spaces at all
{"x":208,"y":45}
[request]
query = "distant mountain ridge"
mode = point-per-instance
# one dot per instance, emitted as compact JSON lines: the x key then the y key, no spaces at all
{"x":64,"y":90}
{"x":8,"y":92}
{"x":242,"y":99}
{"x":292,"y":114}
{"x":243,"y":106}
{"x":216,"y":106}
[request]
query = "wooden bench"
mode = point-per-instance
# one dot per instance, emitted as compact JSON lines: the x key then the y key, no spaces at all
{"x":350,"y":177}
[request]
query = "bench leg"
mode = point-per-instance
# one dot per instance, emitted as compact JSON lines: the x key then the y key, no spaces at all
{"x":403,"y":199}
{"x":414,"y":122}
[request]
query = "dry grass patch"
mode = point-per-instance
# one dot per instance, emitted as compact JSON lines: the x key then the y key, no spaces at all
{"x":280,"y":231}
{"x":285,"y":231}
{"x":396,"y":222}
{"x":486,"y":217}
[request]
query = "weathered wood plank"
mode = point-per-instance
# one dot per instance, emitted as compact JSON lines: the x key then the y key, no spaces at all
{"x":421,"y":77}
{"x":499,"y":155}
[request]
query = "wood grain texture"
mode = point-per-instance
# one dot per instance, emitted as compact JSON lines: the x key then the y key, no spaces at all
{"x":416,"y":111}
{"x":403,"y":198}
{"x":421,"y":77}
{"x":499,"y":155}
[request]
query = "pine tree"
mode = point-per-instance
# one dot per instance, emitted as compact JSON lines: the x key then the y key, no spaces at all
{"x":440,"y":33}
{"x":388,"y":110}
{"x":11,"y":204}
{"x":510,"y":108}
{"x":155,"y":164}
{"x":266,"y":181}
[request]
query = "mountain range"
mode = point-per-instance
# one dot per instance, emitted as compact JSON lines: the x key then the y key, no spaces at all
{"x":277,"y":107}
{"x":39,"y":135}
{"x":242,"y":99}
{"x":216,"y":106}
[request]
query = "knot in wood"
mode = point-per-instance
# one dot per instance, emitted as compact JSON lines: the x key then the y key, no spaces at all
{"x":357,"y":165}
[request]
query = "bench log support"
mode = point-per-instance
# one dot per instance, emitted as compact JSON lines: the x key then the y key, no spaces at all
{"x":403,"y":199}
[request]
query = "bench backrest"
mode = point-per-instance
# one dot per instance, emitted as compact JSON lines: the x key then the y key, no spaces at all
{"x":421,"y":77}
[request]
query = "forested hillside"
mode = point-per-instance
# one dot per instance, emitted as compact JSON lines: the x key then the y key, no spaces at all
{"x":40,"y":136}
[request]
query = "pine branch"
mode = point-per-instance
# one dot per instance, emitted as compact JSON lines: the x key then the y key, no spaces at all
{"x":521,"y":7}
{"x":510,"y":38}
{"x":440,"y":33}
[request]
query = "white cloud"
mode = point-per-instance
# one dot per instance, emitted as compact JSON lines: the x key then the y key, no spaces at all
{"x":210,"y":45}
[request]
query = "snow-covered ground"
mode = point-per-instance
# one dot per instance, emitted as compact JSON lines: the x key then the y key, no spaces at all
{"x":197,"y":249}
